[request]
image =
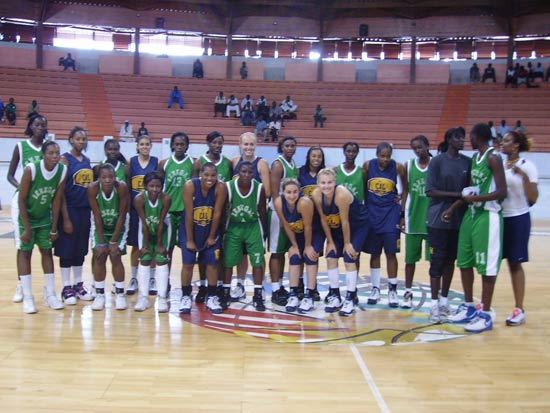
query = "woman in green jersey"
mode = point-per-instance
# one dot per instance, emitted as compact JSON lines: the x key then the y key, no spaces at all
{"x":40,"y":195}
{"x":349,"y":174}
{"x":154,"y":238}
{"x":109,"y":200}
{"x":111,"y":147}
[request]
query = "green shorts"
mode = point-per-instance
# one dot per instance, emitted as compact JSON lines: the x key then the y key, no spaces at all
{"x":39,"y":236}
{"x":153,"y":255}
{"x":176,"y":218}
{"x":413,"y":248}
{"x":240,"y":237}
{"x":108,"y":237}
{"x":278,"y":242}
{"x":480,"y":242}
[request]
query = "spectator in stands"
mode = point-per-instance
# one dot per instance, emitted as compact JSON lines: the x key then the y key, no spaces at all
{"x":142,"y":131}
{"x":11,"y":112}
{"x":511,"y":77}
{"x":34,"y":109}
{"x":126,"y":132}
{"x":319,"y":117}
{"x":248,"y":116}
{"x":274,"y":128}
{"x":539,"y":71}
{"x":274,"y":110}
{"x":244,"y":71}
{"x":220,"y":102}
{"x":530,"y":70}
{"x":175,"y":96}
{"x":474,"y":73}
{"x":519,"y":127}
{"x":503,"y":129}
{"x":197,"y":69}
{"x":493,"y":129}
{"x":261,"y":127}
{"x":233,"y":106}
{"x":246,"y":100}
{"x":261,"y":107}
{"x":2,"y":109}
{"x":523,"y":77}
{"x":67,"y":62}
{"x":289,"y":108}
{"x":489,"y":73}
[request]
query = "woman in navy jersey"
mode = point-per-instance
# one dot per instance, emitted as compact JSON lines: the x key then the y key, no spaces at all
{"x":74,"y":224}
{"x":136,"y":170}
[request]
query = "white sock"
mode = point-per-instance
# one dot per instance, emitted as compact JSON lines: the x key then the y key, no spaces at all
{"x":162,"y":280}
{"x":66,"y":276}
{"x":375,"y":277}
{"x":100,"y":284}
{"x":275,"y":286}
{"x":77,"y":274}
{"x":469,"y":303}
{"x":143,"y":274}
{"x":442,"y":300}
{"x":392,"y":281}
{"x":333,"y":278}
{"x":434,"y":303}
{"x":408,"y":290}
{"x":175,"y":280}
{"x":202,"y":283}
{"x":26,"y":283}
{"x":241,"y":278}
{"x":258,"y":286}
{"x":133,"y":271}
{"x":351,"y":280}
{"x":49,"y":282}
{"x":226,"y":285}
{"x":119,"y":284}
{"x":220,"y":283}
{"x":153,"y":272}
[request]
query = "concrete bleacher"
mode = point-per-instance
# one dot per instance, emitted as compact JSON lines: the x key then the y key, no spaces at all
{"x":367,"y":113}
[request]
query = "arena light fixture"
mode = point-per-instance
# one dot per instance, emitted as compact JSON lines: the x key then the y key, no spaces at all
{"x":364,"y":55}
{"x":314,"y":55}
{"x":382,"y":55}
{"x":474,"y":55}
{"x":493,"y":55}
{"x":209,"y":51}
{"x":276,"y":54}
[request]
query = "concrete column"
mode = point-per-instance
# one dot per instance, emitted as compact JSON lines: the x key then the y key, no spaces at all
{"x":136,"y":52}
{"x":39,"y":42}
{"x":412,"y":72}
{"x":229,"y":44}
{"x":321,"y":48}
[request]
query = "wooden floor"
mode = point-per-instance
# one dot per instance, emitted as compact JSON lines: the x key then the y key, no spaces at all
{"x":78,"y":361}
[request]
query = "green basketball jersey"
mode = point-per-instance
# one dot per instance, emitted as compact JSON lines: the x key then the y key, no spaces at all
{"x":243,"y":208}
{"x":109,"y":208}
{"x":120,"y":173}
{"x":152,"y":213}
{"x":176,"y":174}
{"x":482,"y":177}
{"x":289,"y":169}
{"x":223,"y":166}
{"x":354,"y":181}
{"x":41,"y":193}
{"x":416,"y":207}
{"x":28,"y":153}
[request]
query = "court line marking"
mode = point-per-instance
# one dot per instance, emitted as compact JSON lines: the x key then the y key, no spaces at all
{"x":382,"y":405}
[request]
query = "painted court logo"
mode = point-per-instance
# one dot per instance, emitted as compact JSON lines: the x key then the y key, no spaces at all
{"x":375,"y":325}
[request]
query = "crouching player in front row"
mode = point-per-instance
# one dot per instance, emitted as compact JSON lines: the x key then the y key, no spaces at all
{"x":199,"y":234}
{"x":296,"y":214}
{"x":109,"y":200}
{"x":40,"y":195}
{"x":245,"y":230}
{"x":154,"y":237}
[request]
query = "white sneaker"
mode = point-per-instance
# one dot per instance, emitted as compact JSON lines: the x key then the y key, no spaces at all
{"x":292,"y":304}
{"x":407,"y":300}
{"x":152,"y":286}
{"x":464,"y":314}
{"x":18,"y":295}
{"x":393,"y":298}
{"x":237,"y":292}
{"x":175,"y":298}
{"x":348,"y":308}
{"x":517,"y":317}
{"x":434,"y":314}
{"x":142,"y":303}
{"x":162,"y":305}
{"x":374,"y":296}
{"x":99,"y":302}
{"x":52,"y":301}
{"x":483,"y":321}
{"x":213,"y":304}
{"x":334,"y":304}
{"x":29,"y":307}
{"x":306,"y":305}
{"x":444,"y":312}
{"x":120,"y":302}
{"x":185,"y":304}
{"x":132,"y":286}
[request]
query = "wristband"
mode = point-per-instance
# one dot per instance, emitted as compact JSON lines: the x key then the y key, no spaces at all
{"x":113,"y":242}
{"x":101,"y":245}
{"x":53,"y":233}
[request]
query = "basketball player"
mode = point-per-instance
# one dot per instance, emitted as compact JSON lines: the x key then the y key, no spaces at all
{"x":349,"y":174}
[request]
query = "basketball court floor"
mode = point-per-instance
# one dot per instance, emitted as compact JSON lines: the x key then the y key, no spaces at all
{"x":380,"y":360}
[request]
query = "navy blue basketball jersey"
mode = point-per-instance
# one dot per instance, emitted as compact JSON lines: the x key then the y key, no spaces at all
{"x":381,"y":199}
{"x":293,"y":217}
{"x":203,"y":212}
{"x":307,"y":182}
{"x":358,"y":215}
{"x":256,"y":175}
{"x":137,"y":173}
{"x":79,"y":176}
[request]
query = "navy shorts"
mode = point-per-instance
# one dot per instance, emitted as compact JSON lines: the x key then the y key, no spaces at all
{"x":133,"y":230}
{"x":517,"y":230}
{"x":388,"y":241}
{"x":75,"y":245}
{"x":206,"y":256}
{"x":443,"y":249}
{"x":359,"y":236}
{"x":317,"y":242}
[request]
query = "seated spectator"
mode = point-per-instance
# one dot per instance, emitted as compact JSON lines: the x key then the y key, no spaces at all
{"x":274,"y":128}
{"x":261,"y":128}
{"x":519,"y":127}
{"x":197,"y":69}
{"x":493,"y":129}
{"x":142,"y":131}
{"x":489,"y":73}
{"x":503,"y":129}
{"x":220,"y":102}
{"x":261,"y":107}
{"x":11,"y":112}
{"x":233,"y":106}
{"x":34,"y":109}
{"x":511,"y":77}
{"x":319,"y":117}
{"x":126,"y":132}
{"x":175,"y":96}
{"x":289,"y":109}
{"x":248,"y":116}
{"x":474,"y":73}
{"x":243,"y":71}
{"x":523,"y":77}
{"x":2,"y":109}
{"x":246,"y":100}
{"x":274,"y":110}
{"x":67,"y":62}
{"x":539,"y":71}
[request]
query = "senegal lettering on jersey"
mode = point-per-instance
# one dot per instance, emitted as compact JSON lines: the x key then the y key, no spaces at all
{"x":28,"y":153}
{"x":109,"y":208}
{"x":289,"y":169}
{"x":416,"y":208}
{"x":177,"y":173}
{"x":41,"y":193}
{"x":482,"y":176}
{"x":354,"y":181}
{"x":223,"y":167}
{"x":152,"y":213}
{"x":243,"y":208}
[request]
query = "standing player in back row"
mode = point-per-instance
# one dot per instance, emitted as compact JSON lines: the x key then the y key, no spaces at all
{"x":350,"y":175}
